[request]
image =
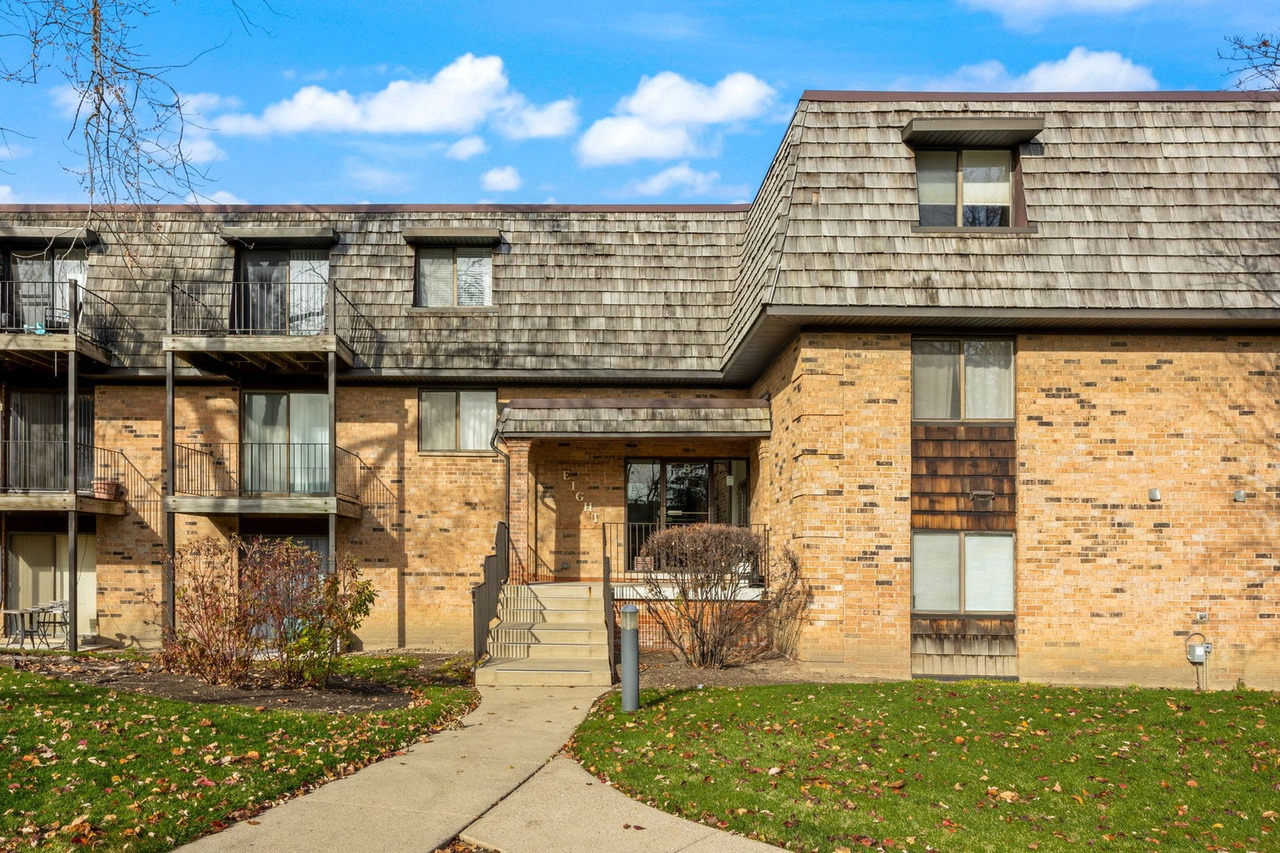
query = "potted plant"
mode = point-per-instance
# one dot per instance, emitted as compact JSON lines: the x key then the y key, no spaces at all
{"x":107,"y":489}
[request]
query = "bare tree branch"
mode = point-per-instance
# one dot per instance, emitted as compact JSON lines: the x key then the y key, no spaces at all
{"x":128,"y":123}
{"x":1254,"y":62}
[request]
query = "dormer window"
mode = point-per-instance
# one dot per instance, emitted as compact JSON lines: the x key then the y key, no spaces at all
{"x":969,"y":188}
{"x":968,"y":174}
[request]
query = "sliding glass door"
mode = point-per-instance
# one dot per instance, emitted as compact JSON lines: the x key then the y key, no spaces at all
{"x":286,"y":443}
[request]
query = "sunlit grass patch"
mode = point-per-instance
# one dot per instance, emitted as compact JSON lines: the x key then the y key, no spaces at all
{"x":82,"y":766}
{"x":957,"y":767}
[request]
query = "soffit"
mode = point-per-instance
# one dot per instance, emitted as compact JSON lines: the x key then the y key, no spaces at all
{"x":278,"y":237}
{"x":973,"y":132}
{"x":635,"y":418}
{"x":452,"y":236}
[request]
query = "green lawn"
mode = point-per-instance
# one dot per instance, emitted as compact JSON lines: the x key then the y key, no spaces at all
{"x":968,"y":766}
{"x":86,"y":767}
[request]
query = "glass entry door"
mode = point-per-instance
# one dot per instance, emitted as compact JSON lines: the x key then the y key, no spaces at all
{"x":36,"y":452}
{"x":281,"y":292}
{"x":38,"y":575}
{"x":286,"y":443}
{"x":665,"y":493}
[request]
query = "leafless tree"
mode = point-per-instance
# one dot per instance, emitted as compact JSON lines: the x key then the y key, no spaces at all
{"x":128,"y":123}
{"x":1254,"y":61}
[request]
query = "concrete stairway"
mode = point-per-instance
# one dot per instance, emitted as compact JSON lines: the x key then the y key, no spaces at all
{"x":548,"y":634}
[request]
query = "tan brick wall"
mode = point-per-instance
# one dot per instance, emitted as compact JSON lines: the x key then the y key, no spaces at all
{"x":579,"y":487}
{"x":1108,"y":581}
{"x":836,"y":487}
{"x":130,"y":549}
{"x":429,"y":523}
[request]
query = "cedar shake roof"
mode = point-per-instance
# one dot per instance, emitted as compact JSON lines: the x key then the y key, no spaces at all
{"x":1142,"y":210}
{"x":630,"y":417}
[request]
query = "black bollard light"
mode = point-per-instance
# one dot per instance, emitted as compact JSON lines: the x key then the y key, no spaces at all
{"x":630,"y":658}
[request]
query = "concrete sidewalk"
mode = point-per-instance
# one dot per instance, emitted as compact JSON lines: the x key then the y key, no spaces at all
{"x":449,"y":786}
{"x":424,"y":798}
{"x":565,"y":808}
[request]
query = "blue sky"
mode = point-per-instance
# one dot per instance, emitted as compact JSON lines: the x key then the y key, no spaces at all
{"x":587,"y":102}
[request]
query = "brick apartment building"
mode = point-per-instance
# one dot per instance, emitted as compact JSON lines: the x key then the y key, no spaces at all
{"x":1003,"y":370}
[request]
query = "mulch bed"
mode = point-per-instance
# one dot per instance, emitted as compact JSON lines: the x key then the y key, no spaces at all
{"x":341,"y":696}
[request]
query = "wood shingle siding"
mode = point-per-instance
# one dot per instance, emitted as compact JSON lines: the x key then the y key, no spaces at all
{"x":1148,"y":203}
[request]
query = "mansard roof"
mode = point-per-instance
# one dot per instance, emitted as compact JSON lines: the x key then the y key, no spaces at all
{"x":1142,"y":210}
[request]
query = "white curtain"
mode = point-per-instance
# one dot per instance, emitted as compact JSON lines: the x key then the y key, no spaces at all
{"x":439,"y":419}
{"x":309,"y":443}
{"x":988,"y":573}
{"x":308,"y":290}
{"x":935,"y":571}
{"x":935,"y":380}
{"x":266,"y":436}
{"x":988,"y":380}
{"x":476,"y":419}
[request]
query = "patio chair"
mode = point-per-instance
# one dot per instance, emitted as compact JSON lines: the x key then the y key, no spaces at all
{"x":52,"y":618}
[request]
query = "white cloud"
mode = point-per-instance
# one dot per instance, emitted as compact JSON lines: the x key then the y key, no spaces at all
{"x":375,"y":178}
{"x":7,"y":195}
{"x":1025,"y":14}
{"x":466,"y":148}
{"x":219,"y":197}
{"x":1082,"y":70}
{"x":520,"y":120}
{"x":692,"y":181}
{"x":460,"y":97}
{"x":502,"y":179}
{"x":666,"y":115}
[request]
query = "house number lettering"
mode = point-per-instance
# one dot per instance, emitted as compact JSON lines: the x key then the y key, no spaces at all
{"x":580,"y":496}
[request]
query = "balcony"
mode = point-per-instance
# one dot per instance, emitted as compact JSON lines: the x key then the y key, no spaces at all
{"x":624,"y":544}
{"x":41,"y":321}
{"x":33,"y":478}
{"x":285,"y":325}
{"x":266,"y":478}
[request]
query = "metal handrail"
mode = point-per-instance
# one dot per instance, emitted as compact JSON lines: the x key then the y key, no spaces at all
{"x":57,"y":308}
{"x":246,"y":468}
{"x":624,"y":541}
{"x":289,"y":308}
{"x":41,"y":466}
{"x":486,"y":595}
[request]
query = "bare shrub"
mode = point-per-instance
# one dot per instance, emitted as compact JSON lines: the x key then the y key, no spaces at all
{"x":264,"y":599}
{"x":710,"y":589}
{"x":214,"y":639}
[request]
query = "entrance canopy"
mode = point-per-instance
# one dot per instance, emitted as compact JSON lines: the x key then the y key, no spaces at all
{"x":634,"y":417}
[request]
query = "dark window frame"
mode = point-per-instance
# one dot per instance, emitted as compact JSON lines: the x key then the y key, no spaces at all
{"x":1017,"y":223}
{"x":457,"y":420}
{"x":419,"y":294}
{"x":963,"y":414}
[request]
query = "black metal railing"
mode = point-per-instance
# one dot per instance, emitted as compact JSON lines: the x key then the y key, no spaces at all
{"x":41,"y":466}
{"x":250,"y":469}
{"x":57,"y":308}
{"x":297,"y":308}
{"x":486,"y":594}
{"x":624,"y":547}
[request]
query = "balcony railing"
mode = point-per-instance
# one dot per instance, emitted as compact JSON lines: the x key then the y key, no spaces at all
{"x":259,"y":469}
{"x":57,"y":308}
{"x":41,"y":466}
{"x":624,"y":546}
{"x":217,"y":308}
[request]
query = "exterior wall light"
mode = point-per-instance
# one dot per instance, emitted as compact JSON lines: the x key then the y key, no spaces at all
{"x":1153,"y":494}
{"x":1239,"y":496}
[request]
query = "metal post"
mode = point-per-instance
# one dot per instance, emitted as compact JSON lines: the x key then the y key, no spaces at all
{"x":630,"y":658}
{"x":73,"y":517}
{"x":167,"y":583}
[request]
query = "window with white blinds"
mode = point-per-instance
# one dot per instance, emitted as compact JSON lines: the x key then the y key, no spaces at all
{"x":454,"y":278}
{"x":961,"y":572}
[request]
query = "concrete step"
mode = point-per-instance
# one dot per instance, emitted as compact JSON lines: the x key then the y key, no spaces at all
{"x":551,"y":672}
